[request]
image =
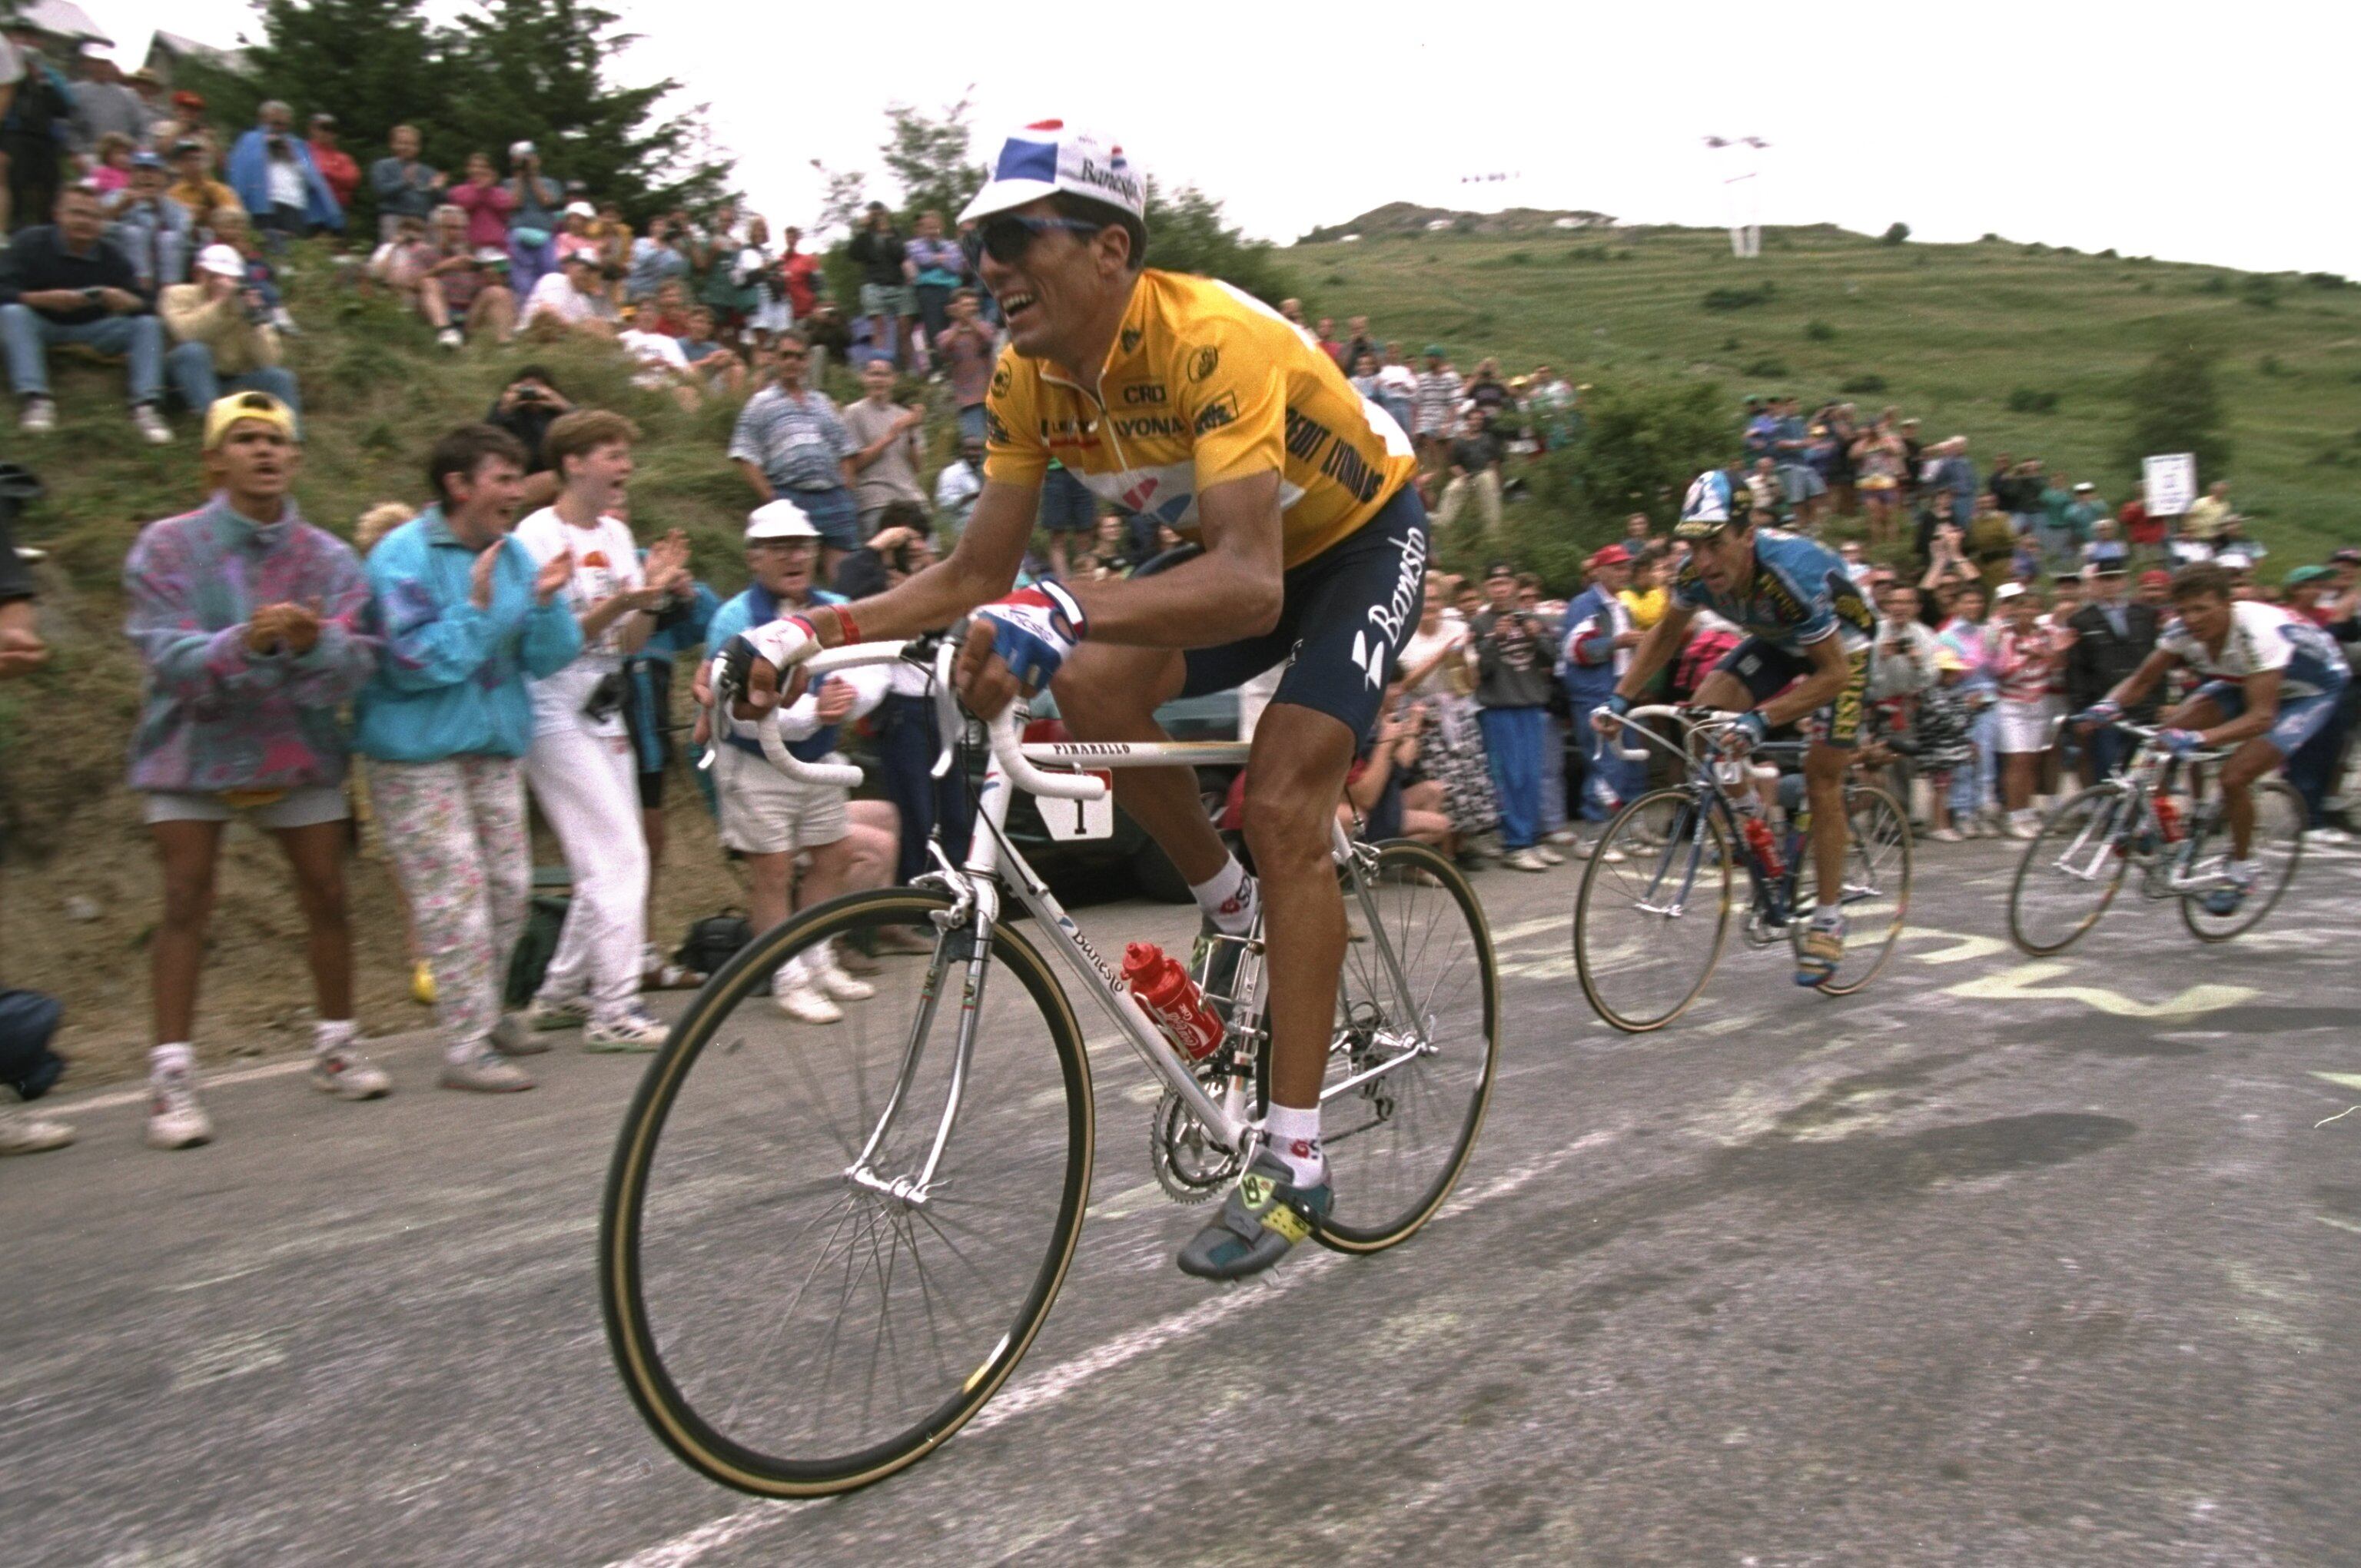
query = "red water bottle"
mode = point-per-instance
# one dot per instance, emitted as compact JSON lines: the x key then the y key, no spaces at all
{"x":1765,"y":845}
{"x":1163,"y":989}
{"x":2168,"y":818}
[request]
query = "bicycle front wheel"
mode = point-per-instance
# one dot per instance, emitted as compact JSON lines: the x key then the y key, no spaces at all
{"x":1876,"y":887}
{"x":2072,"y":870}
{"x":2277,"y":845}
{"x":1417,"y":1042}
{"x":1653,"y":911}
{"x":826,"y":1245}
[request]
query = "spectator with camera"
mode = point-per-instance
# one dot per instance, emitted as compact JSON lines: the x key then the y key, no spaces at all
{"x":957,"y":487}
{"x":773,"y":820}
{"x":193,"y":186}
{"x":63,"y":284}
{"x":466,"y":617}
{"x":1512,"y":682}
{"x":526,"y":408}
{"x":276,"y":181}
{"x":251,"y":623}
{"x":658,"y":257}
{"x":580,"y":762}
{"x":879,"y":252}
{"x":533,"y":219}
{"x":222,"y":340}
{"x":461,"y":293}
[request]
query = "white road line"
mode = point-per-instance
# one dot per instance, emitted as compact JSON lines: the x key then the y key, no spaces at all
{"x":209,"y":1080}
{"x":1037,"y":1392}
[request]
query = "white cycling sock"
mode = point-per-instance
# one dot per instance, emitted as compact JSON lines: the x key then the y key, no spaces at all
{"x":334,"y":1034}
{"x":1294,"y":1136}
{"x":1229,"y":898}
{"x":179,"y":1058}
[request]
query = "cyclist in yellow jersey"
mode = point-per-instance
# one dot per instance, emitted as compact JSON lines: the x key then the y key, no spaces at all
{"x":1181,"y":400}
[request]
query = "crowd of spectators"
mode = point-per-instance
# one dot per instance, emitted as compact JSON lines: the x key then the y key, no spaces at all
{"x":512,"y":639}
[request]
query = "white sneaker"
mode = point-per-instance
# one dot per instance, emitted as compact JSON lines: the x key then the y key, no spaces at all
{"x":571,"y":1013}
{"x":2023,"y":825}
{"x":348,"y":1075}
{"x":23,"y":1133}
{"x":1947,"y":835}
{"x":1614,"y":856}
{"x":802,"y":1001}
{"x":513,"y":1037}
{"x":150,"y":424}
{"x":829,"y":973}
{"x":1525,"y":861}
{"x":40,"y":418}
{"x":1559,"y":835}
{"x":448,"y":337}
{"x":175,"y":1118}
{"x":633,"y":1030}
{"x":486,"y":1072}
{"x":1548,"y":856}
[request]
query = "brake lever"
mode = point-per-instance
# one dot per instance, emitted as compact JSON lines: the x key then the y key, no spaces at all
{"x":949,"y":724}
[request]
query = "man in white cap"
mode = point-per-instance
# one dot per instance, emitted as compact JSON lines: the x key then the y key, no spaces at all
{"x":222,"y":336}
{"x":771,"y":819}
{"x":1195,"y":408}
{"x":572,"y":298}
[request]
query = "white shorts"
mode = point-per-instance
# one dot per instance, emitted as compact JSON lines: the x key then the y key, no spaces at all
{"x":764,"y":812}
{"x":2025,"y":726}
{"x":304,"y":806}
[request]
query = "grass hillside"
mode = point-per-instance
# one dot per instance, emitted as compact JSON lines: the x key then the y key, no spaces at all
{"x":1951,"y":331}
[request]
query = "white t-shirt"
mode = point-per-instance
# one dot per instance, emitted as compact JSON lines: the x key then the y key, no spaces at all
{"x":554,"y":294}
{"x":12,"y":64}
{"x":657,"y":352}
{"x":606,"y":563}
{"x":1421,"y":647}
{"x":1398,"y":380}
{"x":285,"y":177}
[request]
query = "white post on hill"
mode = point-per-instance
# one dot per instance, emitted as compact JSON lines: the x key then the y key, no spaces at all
{"x":1743,"y":192}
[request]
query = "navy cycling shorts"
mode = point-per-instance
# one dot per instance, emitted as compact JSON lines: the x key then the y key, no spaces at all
{"x":1765,"y":669}
{"x":2299,"y":718}
{"x":1349,"y":612}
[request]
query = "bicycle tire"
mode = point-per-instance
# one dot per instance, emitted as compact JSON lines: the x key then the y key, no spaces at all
{"x":696,"y":1434}
{"x":2118,"y":798}
{"x":1897,"y":837}
{"x":1400,"y":862}
{"x":1587,"y":959}
{"x":2251,"y":913}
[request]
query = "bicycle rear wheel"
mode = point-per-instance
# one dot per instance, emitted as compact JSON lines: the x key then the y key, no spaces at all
{"x":791,"y":1330}
{"x":1876,"y":887}
{"x":2072,"y":870}
{"x":2277,"y":847}
{"x":1406,"y":1089}
{"x":1653,"y":912}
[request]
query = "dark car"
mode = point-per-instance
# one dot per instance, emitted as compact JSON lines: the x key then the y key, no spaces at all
{"x":1094,"y":864}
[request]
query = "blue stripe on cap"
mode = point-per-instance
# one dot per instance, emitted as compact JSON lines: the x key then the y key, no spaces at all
{"x":1021,"y":160}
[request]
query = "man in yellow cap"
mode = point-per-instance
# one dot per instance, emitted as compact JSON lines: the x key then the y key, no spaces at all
{"x":251,"y":624}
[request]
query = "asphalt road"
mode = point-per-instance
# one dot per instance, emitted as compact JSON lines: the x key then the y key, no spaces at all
{"x":1998,"y":1262}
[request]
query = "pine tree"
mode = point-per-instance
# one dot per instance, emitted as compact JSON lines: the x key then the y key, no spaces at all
{"x":2177,"y":407}
{"x":536,"y":71}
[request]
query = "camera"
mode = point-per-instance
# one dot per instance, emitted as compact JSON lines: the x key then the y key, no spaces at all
{"x":606,"y":698}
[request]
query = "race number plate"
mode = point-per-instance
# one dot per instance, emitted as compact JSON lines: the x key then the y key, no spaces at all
{"x":1073,"y":821}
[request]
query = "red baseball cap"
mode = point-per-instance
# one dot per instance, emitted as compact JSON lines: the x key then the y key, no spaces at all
{"x":1609,"y":555}
{"x":2156,"y":579}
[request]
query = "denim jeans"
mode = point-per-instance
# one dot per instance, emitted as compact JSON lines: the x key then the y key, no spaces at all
{"x":195,"y":377}
{"x":27,"y":335}
{"x":1973,"y":782}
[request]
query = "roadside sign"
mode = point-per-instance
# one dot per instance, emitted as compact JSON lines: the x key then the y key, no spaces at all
{"x":2171,"y":483}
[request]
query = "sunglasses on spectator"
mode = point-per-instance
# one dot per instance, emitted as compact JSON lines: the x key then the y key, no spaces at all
{"x":1005,"y":237}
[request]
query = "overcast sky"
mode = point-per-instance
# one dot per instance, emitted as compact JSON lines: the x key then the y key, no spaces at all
{"x":2204,"y":134}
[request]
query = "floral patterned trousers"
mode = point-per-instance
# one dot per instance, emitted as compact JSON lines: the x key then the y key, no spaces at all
{"x":456,"y":831}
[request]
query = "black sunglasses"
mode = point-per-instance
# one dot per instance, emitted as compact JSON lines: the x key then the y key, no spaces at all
{"x":1005,"y":237}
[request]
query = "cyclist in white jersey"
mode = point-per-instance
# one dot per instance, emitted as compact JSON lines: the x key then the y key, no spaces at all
{"x":2272,"y":680}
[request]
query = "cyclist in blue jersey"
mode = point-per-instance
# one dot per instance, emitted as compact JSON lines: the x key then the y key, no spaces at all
{"x":2271,"y":683}
{"x":1804,"y":661}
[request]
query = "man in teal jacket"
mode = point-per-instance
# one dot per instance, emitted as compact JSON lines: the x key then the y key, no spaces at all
{"x":465,"y":617}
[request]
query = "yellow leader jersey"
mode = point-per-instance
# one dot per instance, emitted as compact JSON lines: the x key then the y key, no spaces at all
{"x":1203,"y":384}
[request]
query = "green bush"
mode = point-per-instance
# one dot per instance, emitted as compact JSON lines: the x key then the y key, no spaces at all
{"x":2327,"y":280}
{"x":2260,"y":290}
{"x":1895,"y":235}
{"x":1862,"y":385}
{"x":2269,"y":365}
{"x":1819,"y":332}
{"x":2216,"y":284}
{"x":2027,"y":400}
{"x":1769,"y":364}
{"x":1740,"y":299}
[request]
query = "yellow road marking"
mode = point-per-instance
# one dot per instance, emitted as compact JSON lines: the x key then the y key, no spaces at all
{"x":2342,"y":1079}
{"x":2025,"y":982}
